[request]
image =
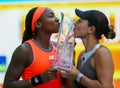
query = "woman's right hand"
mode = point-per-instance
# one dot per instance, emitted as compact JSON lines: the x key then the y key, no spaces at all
{"x":48,"y":75}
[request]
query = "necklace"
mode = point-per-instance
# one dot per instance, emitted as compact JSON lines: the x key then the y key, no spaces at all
{"x":46,"y":50}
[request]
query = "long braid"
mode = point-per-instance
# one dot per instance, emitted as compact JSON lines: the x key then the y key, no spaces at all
{"x":28,"y":21}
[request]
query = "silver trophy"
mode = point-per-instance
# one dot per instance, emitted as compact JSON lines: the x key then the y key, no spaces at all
{"x":65,"y":43}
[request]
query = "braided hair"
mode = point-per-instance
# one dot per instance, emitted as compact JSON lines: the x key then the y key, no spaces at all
{"x":28,"y":22}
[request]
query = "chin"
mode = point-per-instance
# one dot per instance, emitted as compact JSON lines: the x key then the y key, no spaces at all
{"x":56,"y":31}
{"x":75,"y":36}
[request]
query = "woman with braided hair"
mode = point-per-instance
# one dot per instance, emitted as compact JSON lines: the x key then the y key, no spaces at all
{"x":33,"y":59}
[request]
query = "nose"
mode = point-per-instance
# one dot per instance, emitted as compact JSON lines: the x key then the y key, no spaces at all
{"x":56,"y":19}
{"x":75,"y":23}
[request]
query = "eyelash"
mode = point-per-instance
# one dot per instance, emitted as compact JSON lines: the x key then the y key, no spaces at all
{"x":79,"y":21}
{"x":51,"y":15}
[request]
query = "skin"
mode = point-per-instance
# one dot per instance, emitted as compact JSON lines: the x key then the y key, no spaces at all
{"x":23,"y":56}
{"x":101,"y":61}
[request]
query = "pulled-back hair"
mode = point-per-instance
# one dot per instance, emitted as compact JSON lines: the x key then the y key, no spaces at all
{"x":109,"y":32}
{"x":28,"y":28}
{"x":103,"y":26}
{"x":99,"y":20}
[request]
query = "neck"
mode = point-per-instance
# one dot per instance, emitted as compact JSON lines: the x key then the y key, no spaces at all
{"x":89,"y":43}
{"x":42,"y":43}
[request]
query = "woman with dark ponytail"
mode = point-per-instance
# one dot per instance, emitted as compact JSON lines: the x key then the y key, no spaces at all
{"x":32,"y":61}
{"x":95,"y":66}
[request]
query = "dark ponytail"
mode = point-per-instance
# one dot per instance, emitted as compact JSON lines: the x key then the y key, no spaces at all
{"x":109,"y":32}
{"x":28,"y":21}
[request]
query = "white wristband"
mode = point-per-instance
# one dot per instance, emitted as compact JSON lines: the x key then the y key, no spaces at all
{"x":79,"y":77}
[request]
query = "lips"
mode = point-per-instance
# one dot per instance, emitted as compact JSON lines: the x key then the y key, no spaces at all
{"x":74,"y":28}
{"x":58,"y":24}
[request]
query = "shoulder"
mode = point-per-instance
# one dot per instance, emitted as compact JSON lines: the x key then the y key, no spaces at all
{"x":22,"y":53}
{"x":102,"y":50}
{"x":102,"y":55}
{"x":22,"y":49}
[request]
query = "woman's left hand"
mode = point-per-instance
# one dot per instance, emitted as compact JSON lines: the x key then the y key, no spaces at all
{"x":69,"y":72}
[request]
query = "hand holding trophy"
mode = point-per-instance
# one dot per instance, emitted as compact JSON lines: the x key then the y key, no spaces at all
{"x":65,"y":43}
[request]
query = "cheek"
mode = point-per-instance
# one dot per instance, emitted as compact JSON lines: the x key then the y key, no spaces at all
{"x":51,"y":23}
{"x":77,"y":31}
{"x":48,"y":23}
{"x":52,"y":26}
{"x":83,"y":26}
{"x":80,"y":31}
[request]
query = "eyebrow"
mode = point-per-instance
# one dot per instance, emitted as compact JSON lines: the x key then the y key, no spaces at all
{"x":51,"y":12}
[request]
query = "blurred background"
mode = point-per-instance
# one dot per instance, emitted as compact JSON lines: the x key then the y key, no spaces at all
{"x":12,"y":17}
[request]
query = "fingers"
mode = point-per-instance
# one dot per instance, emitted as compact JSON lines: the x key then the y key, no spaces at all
{"x":64,"y":74}
{"x":73,"y":67}
{"x":52,"y":76}
{"x":63,"y":69}
{"x":52,"y":73}
{"x":52,"y":70}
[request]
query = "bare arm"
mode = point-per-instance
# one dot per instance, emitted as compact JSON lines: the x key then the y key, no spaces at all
{"x":22,"y":58}
{"x":16,"y":67}
{"x":104,"y":69}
